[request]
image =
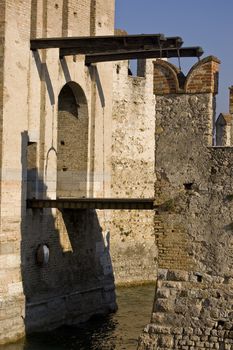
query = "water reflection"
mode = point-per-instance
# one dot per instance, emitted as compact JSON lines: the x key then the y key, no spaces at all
{"x":118,"y":331}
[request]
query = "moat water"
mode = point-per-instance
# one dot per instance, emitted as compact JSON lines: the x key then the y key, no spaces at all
{"x":119,"y":331}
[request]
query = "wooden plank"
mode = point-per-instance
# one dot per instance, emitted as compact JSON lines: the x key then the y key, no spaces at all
{"x":143,"y":42}
{"x":93,"y":203}
{"x":172,"y":42}
{"x":92,"y":44}
{"x":143,"y":54}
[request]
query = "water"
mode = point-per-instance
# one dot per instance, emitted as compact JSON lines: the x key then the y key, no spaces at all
{"x":118,"y":331}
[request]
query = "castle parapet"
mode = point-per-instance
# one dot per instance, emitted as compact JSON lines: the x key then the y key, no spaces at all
{"x":202,"y":78}
{"x":224,"y":125}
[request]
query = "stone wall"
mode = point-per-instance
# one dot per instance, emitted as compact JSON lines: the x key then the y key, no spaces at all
{"x":102,"y":16}
{"x":72,"y":143}
{"x":224,"y":125}
{"x":2,"y":21}
{"x":78,"y":281}
{"x":193,"y":226}
{"x":32,"y":83}
{"x":14,"y":57}
{"x":133,"y":248}
{"x":80,"y":267}
{"x":224,"y":130}
{"x":76,"y":18}
{"x":42,"y":140}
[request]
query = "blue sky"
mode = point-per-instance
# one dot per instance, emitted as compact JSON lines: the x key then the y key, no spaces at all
{"x":205,"y":23}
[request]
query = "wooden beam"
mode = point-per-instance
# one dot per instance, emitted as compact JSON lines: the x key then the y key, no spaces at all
{"x":140,"y":54}
{"x":143,"y":42}
{"x":94,"y":44}
{"x":172,"y":42}
{"x":93,"y":203}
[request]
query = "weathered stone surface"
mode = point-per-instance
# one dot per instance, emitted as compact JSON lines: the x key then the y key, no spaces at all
{"x":194,"y":186}
{"x":68,"y":131}
{"x":71,"y":130}
{"x":79,"y":275}
{"x":133,"y":248}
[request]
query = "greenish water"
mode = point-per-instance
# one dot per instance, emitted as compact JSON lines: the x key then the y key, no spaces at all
{"x":118,"y":331}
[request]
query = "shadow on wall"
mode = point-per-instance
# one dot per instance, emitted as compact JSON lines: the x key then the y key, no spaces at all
{"x":65,"y":260}
{"x":72,"y":142}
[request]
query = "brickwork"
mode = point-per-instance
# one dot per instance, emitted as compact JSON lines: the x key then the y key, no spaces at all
{"x":202,"y":77}
{"x":104,"y":15}
{"x":165,"y":78}
{"x":54,"y":18}
{"x":2,"y":42}
{"x":108,"y":132}
{"x":188,"y":338}
{"x":173,"y":246}
{"x":13,"y":107}
{"x":70,"y":277}
{"x":74,"y":238}
{"x":72,"y":143}
{"x":76,"y":18}
{"x":32,"y":83}
{"x":193,"y":301}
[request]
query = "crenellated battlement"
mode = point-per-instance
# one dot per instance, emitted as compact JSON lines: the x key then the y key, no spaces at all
{"x":202,"y":77}
{"x":193,"y":227}
{"x":72,"y":128}
{"x":224,"y":125}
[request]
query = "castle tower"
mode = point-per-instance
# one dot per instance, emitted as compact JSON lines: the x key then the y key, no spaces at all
{"x":40,"y":259}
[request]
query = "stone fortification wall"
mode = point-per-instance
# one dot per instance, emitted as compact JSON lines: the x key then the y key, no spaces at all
{"x":77,"y":282}
{"x":224,"y":125}
{"x":72,"y":143}
{"x":133,"y":247}
{"x":2,"y":21}
{"x":14,"y":58}
{"x":45,"y":140}
{"x":79,"y":267}
{"x":193,"y":227}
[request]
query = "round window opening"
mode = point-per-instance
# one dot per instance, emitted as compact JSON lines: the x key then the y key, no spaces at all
{"x":42,"y":255}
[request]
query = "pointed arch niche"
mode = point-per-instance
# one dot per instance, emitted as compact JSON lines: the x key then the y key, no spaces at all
{"x":72,"y":147}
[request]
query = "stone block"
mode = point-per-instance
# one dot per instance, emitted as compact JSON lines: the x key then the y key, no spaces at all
{"x":163,"y":293}
{"x":163,"y":305}
{"x":165,"y":341}
{"x":15,"y":288}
